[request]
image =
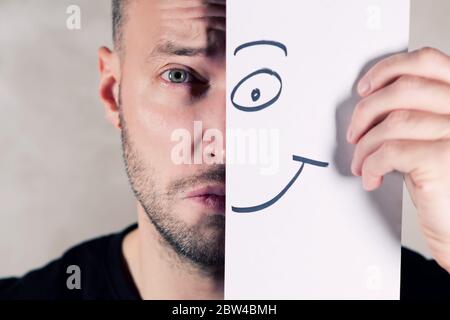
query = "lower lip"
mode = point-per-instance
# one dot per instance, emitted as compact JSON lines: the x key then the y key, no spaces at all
{"x":211,"y":201}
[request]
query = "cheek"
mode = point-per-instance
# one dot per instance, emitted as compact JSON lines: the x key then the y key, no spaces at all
{"x":152,"y":114}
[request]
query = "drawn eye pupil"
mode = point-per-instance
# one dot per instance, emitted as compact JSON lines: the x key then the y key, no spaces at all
{"x":177,"y":76}
{"x":256,"y":94}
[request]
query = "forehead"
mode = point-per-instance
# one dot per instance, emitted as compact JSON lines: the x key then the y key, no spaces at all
{"x":168,"y":26}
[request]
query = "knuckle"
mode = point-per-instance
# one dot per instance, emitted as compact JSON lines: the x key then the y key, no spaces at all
{"x":391,"y":60}
{"x":356,"y":115}
{"x":428,"y":50}
{"x":408,"y":82}
{"x":397,"y":117}
{"x":360,"y":108}
{"x":390,"y":148}
{"x":427,"y":54}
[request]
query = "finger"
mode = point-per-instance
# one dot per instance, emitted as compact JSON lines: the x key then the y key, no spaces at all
{"x":426,"y":62}
{"x":407,"y":92}
{"x":406,"y":156}
{"x":401,"y":125}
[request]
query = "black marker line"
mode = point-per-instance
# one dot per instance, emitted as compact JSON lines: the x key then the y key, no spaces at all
{"x":272,"y":201}
{"x":285,"y":189}
{"x":310,"y":161}
{"x":264,"y":105}
{"x":262,"y":42}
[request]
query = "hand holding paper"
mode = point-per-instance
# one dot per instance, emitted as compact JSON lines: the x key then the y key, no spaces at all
{"x":403,"y":123}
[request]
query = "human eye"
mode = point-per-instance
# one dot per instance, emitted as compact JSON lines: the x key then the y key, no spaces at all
{"x":180,"y":76}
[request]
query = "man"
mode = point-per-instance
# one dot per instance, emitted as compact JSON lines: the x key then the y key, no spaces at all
{"x":167,"y":71}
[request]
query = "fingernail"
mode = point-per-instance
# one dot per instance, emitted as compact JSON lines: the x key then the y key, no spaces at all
{"x":363,"y":87}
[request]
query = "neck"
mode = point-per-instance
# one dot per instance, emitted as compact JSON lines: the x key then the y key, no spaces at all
{"x":161,"y":274}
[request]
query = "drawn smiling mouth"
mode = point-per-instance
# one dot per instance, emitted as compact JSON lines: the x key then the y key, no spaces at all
{"x":267,"y":204}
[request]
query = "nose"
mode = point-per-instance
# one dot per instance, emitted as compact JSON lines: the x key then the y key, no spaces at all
{"x":214,"y":126}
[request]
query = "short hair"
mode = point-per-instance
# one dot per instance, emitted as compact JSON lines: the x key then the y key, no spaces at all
{"x":118,"y":21}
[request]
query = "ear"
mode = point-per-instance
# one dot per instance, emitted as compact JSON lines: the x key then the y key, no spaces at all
{"x":109,"y":67}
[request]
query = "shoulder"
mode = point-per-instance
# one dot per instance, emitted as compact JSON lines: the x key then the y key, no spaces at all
{"x":422,"y":278}
{"x":58,"y":279}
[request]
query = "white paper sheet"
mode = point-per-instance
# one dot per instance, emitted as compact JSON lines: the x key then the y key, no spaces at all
{"x":291,"y":71}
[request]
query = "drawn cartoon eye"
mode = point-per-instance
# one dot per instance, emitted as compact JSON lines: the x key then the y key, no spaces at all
{"x":257,"y":91}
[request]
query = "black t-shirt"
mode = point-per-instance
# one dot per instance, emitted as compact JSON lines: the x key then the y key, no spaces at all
{"x":105,"y":276}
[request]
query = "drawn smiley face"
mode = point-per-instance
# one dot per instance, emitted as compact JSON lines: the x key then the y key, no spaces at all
{"x":260,"y":102}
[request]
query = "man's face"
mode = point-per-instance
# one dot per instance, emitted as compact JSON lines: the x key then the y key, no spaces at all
{"x":166,"y":84}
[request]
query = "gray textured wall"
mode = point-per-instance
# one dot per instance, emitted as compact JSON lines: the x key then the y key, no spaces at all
{"x":61,"y":173}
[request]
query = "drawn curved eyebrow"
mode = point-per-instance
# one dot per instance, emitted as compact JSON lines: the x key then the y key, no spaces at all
{"x":262,"y":42}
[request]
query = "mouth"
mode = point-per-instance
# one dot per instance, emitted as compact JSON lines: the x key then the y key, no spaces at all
{"x":211,"y":197}
{"x":304,"y":161}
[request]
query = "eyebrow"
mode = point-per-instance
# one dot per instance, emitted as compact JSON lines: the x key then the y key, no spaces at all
{"x":262,"y":42}
{"x":169,"y":48}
